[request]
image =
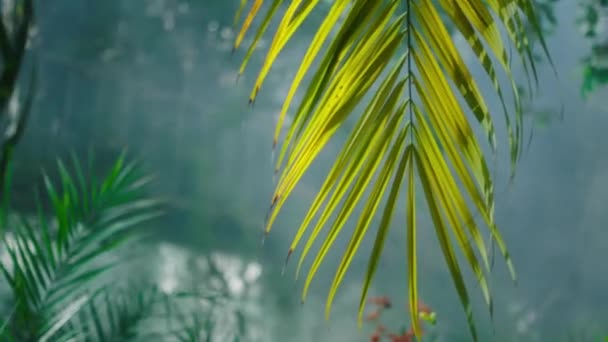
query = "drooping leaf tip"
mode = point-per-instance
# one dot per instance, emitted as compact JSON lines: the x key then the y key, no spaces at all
{"x":275,"y":198}
{"x":327,"y":313}
{"x":289,"y":254}
{"x":286,"y":261}
{"x":264,"y":235}
{"x":254,"y":95}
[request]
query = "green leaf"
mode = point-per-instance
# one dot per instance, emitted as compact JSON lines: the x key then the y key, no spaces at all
{"x":55,"y":265}
{"x":430,"y":80}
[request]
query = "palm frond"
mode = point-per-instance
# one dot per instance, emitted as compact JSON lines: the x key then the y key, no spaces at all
{"x":54,"y":264}
{"x":414,"y":126}
{"x":118,"y":314}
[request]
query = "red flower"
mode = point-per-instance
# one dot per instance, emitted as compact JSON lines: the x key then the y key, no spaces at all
{"x":374,"y":315}
{"x":407,"y":337}
{"x":381,"y":301}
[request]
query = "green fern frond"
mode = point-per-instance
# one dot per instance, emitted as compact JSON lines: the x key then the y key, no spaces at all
{"x":53,"y":264}
{"x":414,"y":126}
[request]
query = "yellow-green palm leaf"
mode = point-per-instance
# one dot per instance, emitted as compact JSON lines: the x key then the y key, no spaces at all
{"x":413,"y":127}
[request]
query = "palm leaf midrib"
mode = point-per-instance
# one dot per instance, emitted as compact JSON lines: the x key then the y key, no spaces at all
{"x":441,"y":148}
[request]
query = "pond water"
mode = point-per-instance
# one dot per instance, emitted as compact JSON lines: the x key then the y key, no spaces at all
{"x":158,"y":78}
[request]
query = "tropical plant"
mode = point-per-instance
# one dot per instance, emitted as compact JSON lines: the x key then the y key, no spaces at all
{"x":59,"y":266}
{"x":116,"y":314}
{"x":54,"y":265}
{"x":413,"y":127}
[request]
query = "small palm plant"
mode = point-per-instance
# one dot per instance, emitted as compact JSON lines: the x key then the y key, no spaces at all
{"x":61,"y":268}
{"x":397,"y":61}
{"x":54,"y":264}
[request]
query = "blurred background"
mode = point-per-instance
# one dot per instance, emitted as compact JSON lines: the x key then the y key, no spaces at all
{"x":157,"y":78}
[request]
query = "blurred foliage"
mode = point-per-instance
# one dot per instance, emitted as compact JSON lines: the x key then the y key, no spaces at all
{"x":134,"y":67}
{"x":592,"y":22}
{"x":593,"y":25}
{"x":547,"y":20}
{"x":52,"y":265}
{"x":58,"y":267}
{"x":16,"y":21}
{"x":541,"y":115}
